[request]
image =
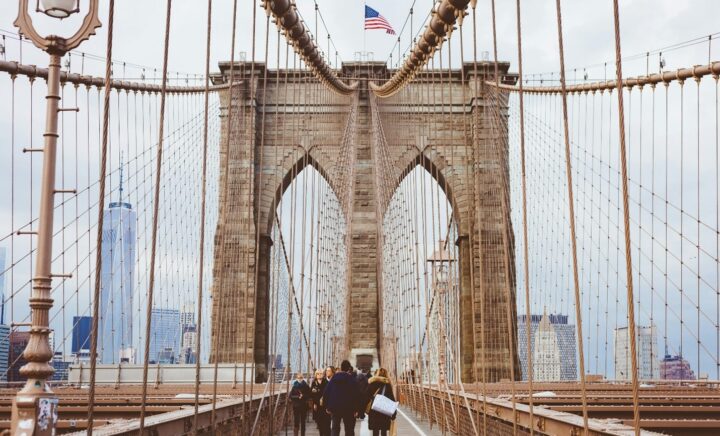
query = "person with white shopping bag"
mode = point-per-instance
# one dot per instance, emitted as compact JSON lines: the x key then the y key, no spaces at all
{"x":381,"y":405}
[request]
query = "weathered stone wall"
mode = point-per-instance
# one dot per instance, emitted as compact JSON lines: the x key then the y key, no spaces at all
{"x":461,"y":140}
{"x":296,"y":122}
{"x":233,"y":292}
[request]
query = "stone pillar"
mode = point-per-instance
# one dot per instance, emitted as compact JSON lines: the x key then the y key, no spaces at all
{"x":495,"y":246}
{"x":469,"y":319}
{"x":233,"y":291}
{"x":262,"y":312}
{"x":363,"y":308}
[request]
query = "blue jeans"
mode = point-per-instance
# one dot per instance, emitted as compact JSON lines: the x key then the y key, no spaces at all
{"x":348,"y":420}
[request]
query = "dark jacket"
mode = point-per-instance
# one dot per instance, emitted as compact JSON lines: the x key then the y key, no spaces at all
{"x":362,"y":380}
{"x":376,"y":420}
{"x":342,"y":395}
{"x":299,"y":395}
{"x":316,"y":393}
{"x":317,"y":390}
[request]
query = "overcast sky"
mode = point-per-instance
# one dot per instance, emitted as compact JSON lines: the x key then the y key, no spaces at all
{"x":646,"y":25}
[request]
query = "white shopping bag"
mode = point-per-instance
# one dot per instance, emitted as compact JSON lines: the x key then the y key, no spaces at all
{"x":384,"y":405}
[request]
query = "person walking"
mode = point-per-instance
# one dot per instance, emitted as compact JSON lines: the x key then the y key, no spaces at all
{"x":379,"y":384}
{"x":299,"y":395}
{"x":362,"y":377}
{"x":317,"y":389}
{"x":342,"y":400}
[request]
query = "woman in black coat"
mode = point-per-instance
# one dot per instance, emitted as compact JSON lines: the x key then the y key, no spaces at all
{"x":317,"y":389}
{"x":379,"y":384}
{"x":299,"y":395}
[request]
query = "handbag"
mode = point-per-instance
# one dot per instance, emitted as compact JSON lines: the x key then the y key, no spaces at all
{"x":384,"y":405}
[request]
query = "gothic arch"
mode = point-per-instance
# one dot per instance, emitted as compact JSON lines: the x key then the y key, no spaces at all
{"x":422,"y":160}
{"x":290,"y":174}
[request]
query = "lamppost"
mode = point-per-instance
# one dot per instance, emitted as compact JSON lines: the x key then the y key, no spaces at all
{"x":34,"y":408}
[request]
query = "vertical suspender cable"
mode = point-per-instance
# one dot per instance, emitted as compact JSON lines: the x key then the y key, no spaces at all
{"x":256,"y":258}
{"x":217,"y":305}
{"x":101,"y":212}
{"x":273,"y":304}
{"x":571,"y":206}
{"x":156,"y":212}
{"x":626,"y":224}
{"x":201,"y":254}
{"x":506,"y":247}
{"x":480,"y":280}
{"x":526,"y":268}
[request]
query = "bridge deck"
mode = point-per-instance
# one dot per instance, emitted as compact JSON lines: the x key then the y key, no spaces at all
{"x":407,"y":424}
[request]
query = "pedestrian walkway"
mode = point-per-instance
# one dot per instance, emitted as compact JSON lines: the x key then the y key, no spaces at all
{"x":408,"y":424}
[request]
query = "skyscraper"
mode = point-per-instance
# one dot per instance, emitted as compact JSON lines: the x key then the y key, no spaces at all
{"x":189,"y":334}
{"x":82,"y":327}
{"x":116,"y":295}
{"x":187,"y":316}
{"x":61,"y":367}
{"x":647,"y":361}
{"x":165,"y":334}
{"x":675,"y":368}
{"x":189,"y":343}
{"x":2,"y":284}
{"x":4,"y":350}
{"x":18,"y":342}
{"x":553,"y":346}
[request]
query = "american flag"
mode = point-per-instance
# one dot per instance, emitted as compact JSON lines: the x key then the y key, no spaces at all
{"x":373,"y":20}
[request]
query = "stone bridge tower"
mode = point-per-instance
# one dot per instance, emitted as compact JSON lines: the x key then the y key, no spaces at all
{"x":264,"y":157}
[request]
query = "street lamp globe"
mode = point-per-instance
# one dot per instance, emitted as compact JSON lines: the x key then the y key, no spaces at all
{"x":442,"y":274}
{"x":59,"y":8}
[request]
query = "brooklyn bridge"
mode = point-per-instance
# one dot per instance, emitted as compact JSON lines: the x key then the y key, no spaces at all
{"x":523,"y":253}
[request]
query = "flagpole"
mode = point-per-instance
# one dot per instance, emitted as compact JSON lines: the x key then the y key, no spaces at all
{"x":364,"y":29}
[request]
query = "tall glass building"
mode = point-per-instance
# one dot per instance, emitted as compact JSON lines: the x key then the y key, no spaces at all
{"x":116,"y":294}
{"x":165,"y":335}
{"x":82,"y":327}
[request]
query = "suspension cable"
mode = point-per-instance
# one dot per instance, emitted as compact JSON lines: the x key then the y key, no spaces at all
{"x":626,"y":221}
{"x":571,"y":217}
{"x":156,"y":212}
{"x":101,"y":212}
{"x":201,"y":250}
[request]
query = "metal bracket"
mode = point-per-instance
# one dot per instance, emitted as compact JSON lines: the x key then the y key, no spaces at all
{"x":64,"y":276}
